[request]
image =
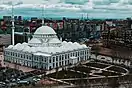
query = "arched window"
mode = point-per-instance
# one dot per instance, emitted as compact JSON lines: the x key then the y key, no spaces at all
{"x":56,"y":58}
{"x":53,"y":59}
{"x":53,"y":65}
{"x":62,"y":57}
{"x":102,"y":58}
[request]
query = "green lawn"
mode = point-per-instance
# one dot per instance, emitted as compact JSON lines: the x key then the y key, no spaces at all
{"x":82,"y":69}
{"x":67,"y":74}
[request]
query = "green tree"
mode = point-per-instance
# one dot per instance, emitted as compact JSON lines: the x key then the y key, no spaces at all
{"x":1,"y":31}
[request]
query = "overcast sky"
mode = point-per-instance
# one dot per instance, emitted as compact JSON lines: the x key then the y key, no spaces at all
{"x":95,"y":8}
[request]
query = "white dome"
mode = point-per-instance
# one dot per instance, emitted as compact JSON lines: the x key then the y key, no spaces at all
{"x":45,"y":30}
{"x":34,"y":40}
{"x":54,"y":40}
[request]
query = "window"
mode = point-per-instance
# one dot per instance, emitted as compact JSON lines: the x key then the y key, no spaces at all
{"x":78,"y":58}
{"x":65,"y":56}
{"x":87,"y":51}
{"x":53,"y":59}
{"x":65,"y":62}
{"x":68,"y":62}
{"x":21,"y":55}
{"x":60,"y":57}
{"x":34,"y":57}
{"x":11,"y":53}
{"x":45,"y":59}
{"x":56,"y":64}
{"x":56,"y":58}
{"x":53,"y":65}
{"x":49,"y":60}
{"x":76,"y":54}
{"x":24,"y":56}
{"x":16,"y":54}
{"x":60,"y":63}
{"x":73,"y":54}
{"x":37,"y":58}
{"x":27,"y":56}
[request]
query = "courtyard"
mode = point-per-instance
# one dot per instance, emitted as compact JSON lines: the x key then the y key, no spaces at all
{"x":89,"y":70}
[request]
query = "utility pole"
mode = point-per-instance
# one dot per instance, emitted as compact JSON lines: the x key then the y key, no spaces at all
{"x":13,"y":27}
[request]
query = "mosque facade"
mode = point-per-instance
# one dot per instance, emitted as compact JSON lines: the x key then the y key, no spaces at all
{"x":46,"y":51}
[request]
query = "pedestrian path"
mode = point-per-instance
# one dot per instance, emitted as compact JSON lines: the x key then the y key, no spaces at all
{"x":57,"y":80}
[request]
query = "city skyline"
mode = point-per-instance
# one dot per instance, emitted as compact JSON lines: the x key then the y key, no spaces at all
{"x":119,"y":9}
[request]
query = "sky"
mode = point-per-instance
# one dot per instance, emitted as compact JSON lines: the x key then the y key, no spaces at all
{"x":116,"y":9}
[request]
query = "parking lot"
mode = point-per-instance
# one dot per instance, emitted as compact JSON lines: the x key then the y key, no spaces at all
{"x":10,"y":77}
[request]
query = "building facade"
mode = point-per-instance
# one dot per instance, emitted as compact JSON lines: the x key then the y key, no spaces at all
{"x":46,"y":51}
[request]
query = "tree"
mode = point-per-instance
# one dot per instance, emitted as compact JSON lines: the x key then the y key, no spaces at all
{"x":1,"y":32}
{"x":96,"y":50}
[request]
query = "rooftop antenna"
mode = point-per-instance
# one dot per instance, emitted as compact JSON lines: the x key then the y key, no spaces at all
{"x":13,"y":27}
{"x":43,"y":15}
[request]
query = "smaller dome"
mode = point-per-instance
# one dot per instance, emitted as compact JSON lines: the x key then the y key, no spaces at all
{"x":64,"y":43}
{"x":70,"y":43}
{"x":84,"y":46}
{"x":17,"y":46}
{"x":34,"y":40}
{"x":10,"y":46}
{"x":45,"y":30}
{"x":27,"y":49}
{"x":54,"y":40}
{"x":24,"y":43}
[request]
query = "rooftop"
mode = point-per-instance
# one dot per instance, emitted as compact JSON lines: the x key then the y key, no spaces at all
{"x":46,"y":46}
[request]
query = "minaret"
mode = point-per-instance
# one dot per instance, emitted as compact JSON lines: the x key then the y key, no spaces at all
{"x":13,"y":27}
{"x":42,"y":15}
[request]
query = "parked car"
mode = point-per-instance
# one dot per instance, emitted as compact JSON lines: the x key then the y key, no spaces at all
{"x":23,"y":82}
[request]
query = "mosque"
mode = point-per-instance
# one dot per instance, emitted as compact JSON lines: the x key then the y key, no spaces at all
{"x":46,"y":51}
